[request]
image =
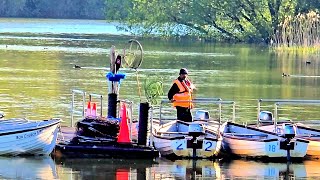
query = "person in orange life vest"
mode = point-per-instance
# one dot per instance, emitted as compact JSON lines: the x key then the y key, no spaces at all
{"x":180,"y":94}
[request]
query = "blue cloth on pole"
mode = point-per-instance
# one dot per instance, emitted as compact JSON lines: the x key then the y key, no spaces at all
{"x":115,"y":77}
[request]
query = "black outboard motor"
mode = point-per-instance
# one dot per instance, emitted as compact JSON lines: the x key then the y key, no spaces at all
{"x":288,"y":132}
{"x":195,"y":130}
{"x":1,"y":115}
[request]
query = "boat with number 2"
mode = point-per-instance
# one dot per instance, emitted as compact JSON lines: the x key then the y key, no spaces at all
{"x":197,"y":139}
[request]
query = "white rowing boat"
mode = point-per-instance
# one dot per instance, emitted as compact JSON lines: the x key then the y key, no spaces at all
{"x":28,"y":137}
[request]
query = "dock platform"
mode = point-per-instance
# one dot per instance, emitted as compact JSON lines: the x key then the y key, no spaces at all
{"x":71,"y":145}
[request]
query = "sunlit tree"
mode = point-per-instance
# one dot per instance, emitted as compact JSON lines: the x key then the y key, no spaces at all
{"x":241,"y":20}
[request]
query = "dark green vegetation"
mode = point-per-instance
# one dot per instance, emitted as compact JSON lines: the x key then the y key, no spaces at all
{"x":211,"y":20}
{"x":75,"y":9}
{"x":298,"y":34}
{"x":228,"y":20}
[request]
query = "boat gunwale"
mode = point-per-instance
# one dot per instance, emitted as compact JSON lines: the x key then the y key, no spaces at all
{"x":56,"y":121}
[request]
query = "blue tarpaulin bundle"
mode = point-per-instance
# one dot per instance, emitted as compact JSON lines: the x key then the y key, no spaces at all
{"x":115,"y":77}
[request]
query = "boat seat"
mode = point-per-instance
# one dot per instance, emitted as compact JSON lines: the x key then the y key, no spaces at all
{"x":308,"y":135}
{"x":184,"y":133}
{"x":242,"y":134}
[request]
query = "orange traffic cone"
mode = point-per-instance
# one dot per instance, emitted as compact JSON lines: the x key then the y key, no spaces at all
{"x":122,"y":174}
{"x":94,"y":110}
{"x":123,"y":136}
{"x":88,"y":112}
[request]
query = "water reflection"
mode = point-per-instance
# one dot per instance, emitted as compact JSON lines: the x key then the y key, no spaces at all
{"x":104,"y":168}
{"x":42,"y":167}
{"x":238,"y":169}
{"x":186,"y":169}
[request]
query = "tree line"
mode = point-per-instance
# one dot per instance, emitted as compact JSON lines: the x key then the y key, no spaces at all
{"x":227,"y":20}
{"x":72,"y":9}
{"x":213,"y":20}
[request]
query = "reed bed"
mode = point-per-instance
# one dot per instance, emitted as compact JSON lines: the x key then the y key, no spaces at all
{"x":298,"y":34}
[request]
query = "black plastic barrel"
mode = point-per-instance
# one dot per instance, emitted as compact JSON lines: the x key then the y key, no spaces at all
{"x":143,"y":123}
{"x":112,"y":105}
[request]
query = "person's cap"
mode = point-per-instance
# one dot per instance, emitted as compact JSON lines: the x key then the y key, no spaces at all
{"x":183,"y":71}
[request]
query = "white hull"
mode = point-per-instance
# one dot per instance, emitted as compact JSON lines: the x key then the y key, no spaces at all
{"x":252,"y":148}
{"x":178,"y":143}
{"x":311,"y":135}
{"x":23,"y":137}
{"x":251,"y":142}
{"x":270,"y":122}
{"x":302,"y":132}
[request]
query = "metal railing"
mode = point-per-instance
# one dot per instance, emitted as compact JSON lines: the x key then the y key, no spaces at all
{"x":218,"y":101}
{"x":100,"y":97}
{"x":73,"y":110}
{"x":81,"y":112}
{"x":278,"y":102}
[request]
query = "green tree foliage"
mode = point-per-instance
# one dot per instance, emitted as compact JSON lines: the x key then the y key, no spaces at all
{"x":153,"y":89}
{"x":240,"y":20}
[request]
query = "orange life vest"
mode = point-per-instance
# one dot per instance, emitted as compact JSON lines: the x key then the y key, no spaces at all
{"x":183,"y":95}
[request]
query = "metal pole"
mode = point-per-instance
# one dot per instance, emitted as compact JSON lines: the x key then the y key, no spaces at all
{"x":83,"y":103}
{"x":101,"y":106}
{"x":151,"y":127}
{"x":73,"y":111}
{"x":233,"y":112}
{"x":220,"y":112}
{"x":72,"y":107}
{"x":259,"y":104}
{"x":160,"y":113}
{"x":131,"y":117}
{"x":275,"y":117}
{"x":90,"y":98}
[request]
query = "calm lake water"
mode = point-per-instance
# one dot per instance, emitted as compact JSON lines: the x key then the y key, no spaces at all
{"x":37,"y":57}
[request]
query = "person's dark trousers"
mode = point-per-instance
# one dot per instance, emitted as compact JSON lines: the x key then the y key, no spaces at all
{"x":184,"y":114}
